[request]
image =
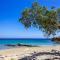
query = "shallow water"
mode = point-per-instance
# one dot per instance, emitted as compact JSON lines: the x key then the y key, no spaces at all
{"x":27,"y":41}
{"x":34,"y":42}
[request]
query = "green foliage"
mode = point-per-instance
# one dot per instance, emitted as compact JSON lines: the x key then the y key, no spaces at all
{"x":58,"y":14}
{"x":40,"y":17}
{"x":12,"y":59}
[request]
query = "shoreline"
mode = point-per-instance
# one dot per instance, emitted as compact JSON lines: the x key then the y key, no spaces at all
{"x":10,"y":46}
{"x":22,"y":51}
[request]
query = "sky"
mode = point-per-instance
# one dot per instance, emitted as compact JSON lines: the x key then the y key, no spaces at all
{"x":10,"y":11}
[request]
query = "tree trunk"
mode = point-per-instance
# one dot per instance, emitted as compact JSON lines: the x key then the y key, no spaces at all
{"x":56,"y":39}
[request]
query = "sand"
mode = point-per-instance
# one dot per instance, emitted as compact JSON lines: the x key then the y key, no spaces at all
{"x":20,"y":52}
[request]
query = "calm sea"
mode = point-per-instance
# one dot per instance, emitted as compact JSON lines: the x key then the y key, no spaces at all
{"x":36,"y":42}
{"x":26,"y":41}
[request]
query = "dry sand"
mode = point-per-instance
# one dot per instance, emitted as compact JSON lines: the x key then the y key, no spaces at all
{"x":20,"y":52}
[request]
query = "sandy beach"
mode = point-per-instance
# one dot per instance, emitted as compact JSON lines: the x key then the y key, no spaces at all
{"x":20,"y":52}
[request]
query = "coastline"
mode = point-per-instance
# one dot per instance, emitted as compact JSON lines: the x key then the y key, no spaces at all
{"x":22,"y":51}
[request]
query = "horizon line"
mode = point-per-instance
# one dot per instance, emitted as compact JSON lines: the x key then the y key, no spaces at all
{"x":25,"y":38}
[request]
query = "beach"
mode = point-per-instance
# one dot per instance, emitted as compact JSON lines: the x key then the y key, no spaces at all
{"x":16,"y":53}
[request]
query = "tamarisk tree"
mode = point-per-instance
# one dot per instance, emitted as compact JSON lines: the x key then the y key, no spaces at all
{"x":42,"y":18}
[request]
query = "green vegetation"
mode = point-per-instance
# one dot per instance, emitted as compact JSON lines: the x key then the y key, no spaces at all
{"x":42,"y":18}
{"x":12,"y":58}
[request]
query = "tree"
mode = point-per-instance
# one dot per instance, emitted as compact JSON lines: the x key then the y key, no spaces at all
{"x":40,"y":17}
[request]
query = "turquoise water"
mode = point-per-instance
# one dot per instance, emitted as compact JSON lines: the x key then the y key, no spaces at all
{"x":34,"y":42}
{"x":27,"y":41}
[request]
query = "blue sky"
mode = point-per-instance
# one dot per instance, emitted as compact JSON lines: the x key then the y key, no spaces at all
{"x":10,"y":11}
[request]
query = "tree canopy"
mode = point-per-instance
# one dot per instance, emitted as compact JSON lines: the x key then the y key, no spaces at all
{"x":41,"y":17}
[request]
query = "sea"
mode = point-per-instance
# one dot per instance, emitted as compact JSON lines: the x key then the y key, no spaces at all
{"x":26,"y":41}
